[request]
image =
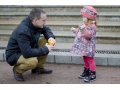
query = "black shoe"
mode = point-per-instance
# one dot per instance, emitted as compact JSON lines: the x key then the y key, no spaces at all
{"x":17,"y":76}
{"x":84,"y":74}
{"x":41,"y":71}
{"x":91,"y":77}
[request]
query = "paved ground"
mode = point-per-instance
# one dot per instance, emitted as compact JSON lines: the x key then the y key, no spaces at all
{"x":62,"y":74}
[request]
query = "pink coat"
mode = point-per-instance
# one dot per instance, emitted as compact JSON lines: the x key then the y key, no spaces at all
{"x":84,"y":42}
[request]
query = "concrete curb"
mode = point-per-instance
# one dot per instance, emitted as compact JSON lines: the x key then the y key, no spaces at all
{"x":68,"y":58}
{"x":2,"y":55}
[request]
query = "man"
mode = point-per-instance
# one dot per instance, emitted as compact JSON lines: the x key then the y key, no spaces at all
{"x":26,"y":49}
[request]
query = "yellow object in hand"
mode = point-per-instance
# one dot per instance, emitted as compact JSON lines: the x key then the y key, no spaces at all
{"x":50,"y":42}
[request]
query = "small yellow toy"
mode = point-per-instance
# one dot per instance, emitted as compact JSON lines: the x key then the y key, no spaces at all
{"x":50,"y":42}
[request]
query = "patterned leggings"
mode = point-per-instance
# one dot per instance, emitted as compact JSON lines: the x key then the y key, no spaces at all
{"x":89,"y":63}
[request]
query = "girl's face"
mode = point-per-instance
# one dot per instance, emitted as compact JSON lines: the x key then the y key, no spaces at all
{"x":85,"y":19}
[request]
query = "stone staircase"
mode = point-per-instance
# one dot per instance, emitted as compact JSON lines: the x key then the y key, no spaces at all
{"x":60,"y":20}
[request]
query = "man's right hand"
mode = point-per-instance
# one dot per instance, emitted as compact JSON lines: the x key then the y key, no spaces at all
{"x":50,"y":47}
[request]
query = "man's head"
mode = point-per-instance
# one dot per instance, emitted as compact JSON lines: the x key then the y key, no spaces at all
{"x":38,"y":17}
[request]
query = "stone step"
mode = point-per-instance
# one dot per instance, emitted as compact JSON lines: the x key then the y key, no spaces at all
{"x":66,"y":28}
{"x":55,"y":13}
{"x":102,"y":37}
{"x":58,"y":8}
{"x":70,"y":13}
{"x":99,"y":28}
{"x":67,"y":46}
{"x":68,"y":36}
{"x":67,"y":16}
{"x":99,"y":47}
{"x":63,"y":23}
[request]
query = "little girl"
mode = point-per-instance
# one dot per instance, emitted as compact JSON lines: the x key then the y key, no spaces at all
{"x":84,"y":43}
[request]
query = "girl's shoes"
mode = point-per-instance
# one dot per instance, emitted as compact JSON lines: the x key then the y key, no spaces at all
{"x":84,"y":74}
{"x":90,"y":77}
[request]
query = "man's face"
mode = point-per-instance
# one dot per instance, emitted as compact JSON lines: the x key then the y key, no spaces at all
{"x":40,"y":22}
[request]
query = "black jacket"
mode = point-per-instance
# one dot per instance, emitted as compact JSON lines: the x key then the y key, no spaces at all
{"x":24,"y":41}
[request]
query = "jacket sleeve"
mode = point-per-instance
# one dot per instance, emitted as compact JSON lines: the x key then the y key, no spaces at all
{"x":47,"y":32}
{"x":24,"y":44}
{"x":90,"y":32}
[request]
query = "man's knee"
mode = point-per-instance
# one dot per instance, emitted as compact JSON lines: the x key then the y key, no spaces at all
{"x":42,"y":42}
{"x":42,"y":58}
{"x":32,"y":62}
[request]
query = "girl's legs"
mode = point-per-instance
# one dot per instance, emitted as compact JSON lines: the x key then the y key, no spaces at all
{"x":92,"y":65}
{"x":86,"y":68}
{"x":86,"y":63}
{"x":92,"y":69}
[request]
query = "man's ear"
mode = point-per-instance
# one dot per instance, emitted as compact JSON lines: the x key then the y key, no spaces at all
{"x":34,"y":20}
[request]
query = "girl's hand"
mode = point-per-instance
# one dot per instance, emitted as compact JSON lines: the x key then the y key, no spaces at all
{"x":74,"y":30}
{"x":82,"y":27}
{"x":86,"y":34}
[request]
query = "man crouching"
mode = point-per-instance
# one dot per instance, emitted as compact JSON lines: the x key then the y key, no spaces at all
{"x":26,"y":48}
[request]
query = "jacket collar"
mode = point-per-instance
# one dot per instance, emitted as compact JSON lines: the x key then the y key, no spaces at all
{"x":28,"y":22}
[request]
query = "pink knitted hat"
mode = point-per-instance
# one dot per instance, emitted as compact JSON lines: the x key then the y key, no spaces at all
{"x":89,"y":12}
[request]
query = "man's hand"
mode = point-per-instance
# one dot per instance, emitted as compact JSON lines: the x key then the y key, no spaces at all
{"x":50,"y":47}
{"x":51,"y":41}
